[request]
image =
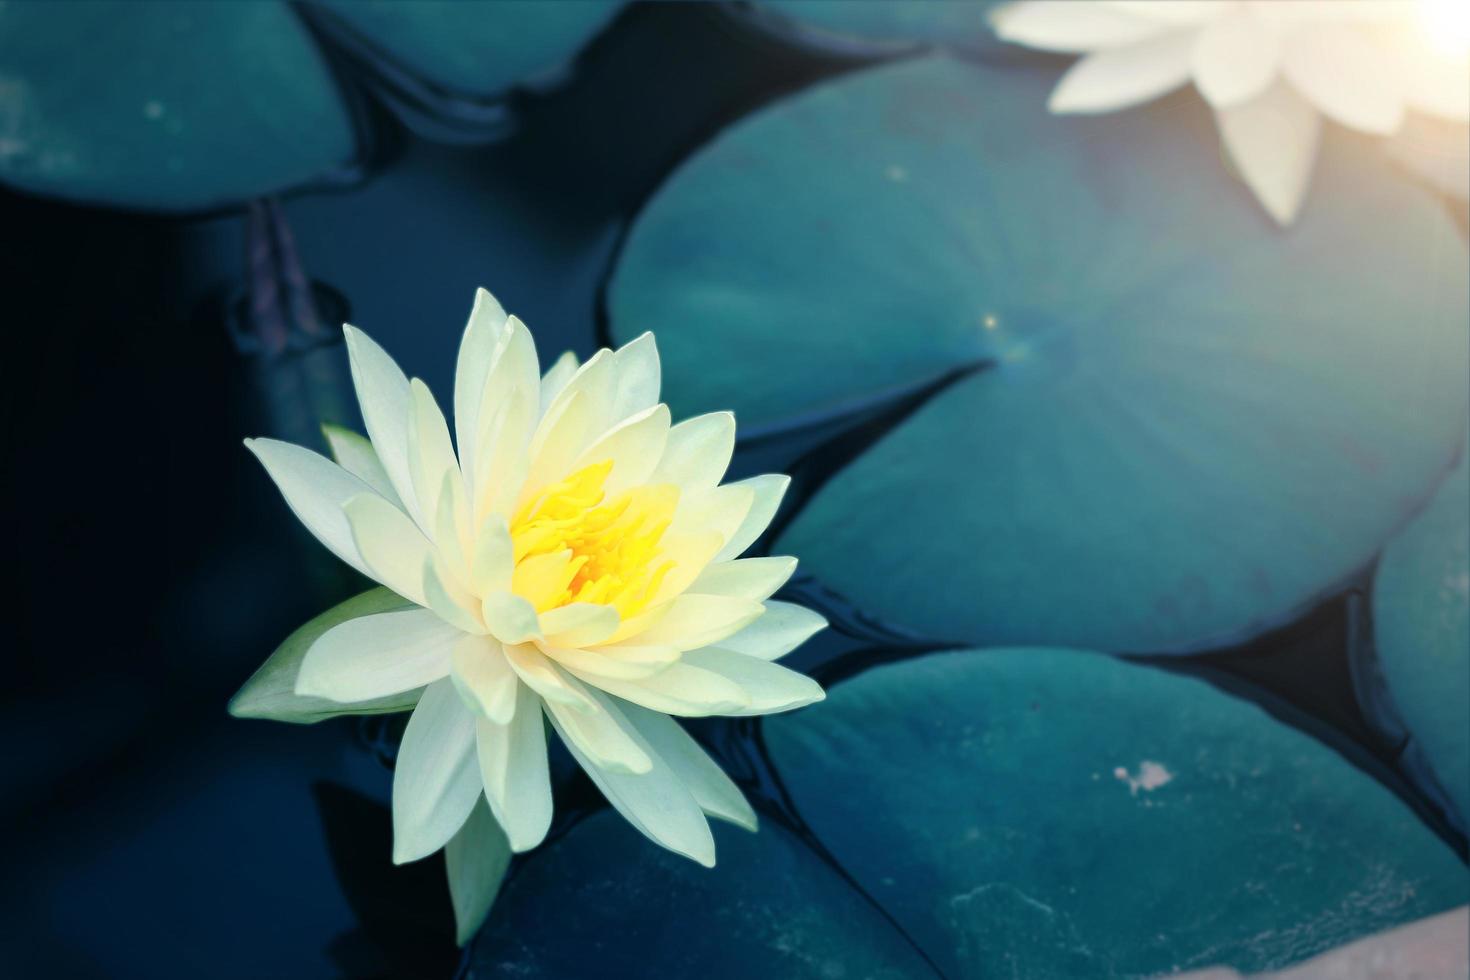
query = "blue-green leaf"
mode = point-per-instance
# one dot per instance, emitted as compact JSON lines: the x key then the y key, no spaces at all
{"x":1054,"y":813}
{"x":1190,"y":423}
{"x":605,"y":901}
{"x":174,"y":106}
{"x":1421,"y":616}
{"x":478,"y":48}
{"x":879,"y":25}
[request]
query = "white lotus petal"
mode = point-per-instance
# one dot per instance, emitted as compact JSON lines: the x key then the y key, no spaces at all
{"x":579,"y":624}
{"x":559,"y":440}
{"x":386,"y":403}
{"x":634,"y":445}
{"x":355,"y":454}
{"x":315,"y":489}
{"x":697,"y":453}
{"x":691,"y":555}
{"x":595,"y":383}
{"x":475,"y":860}
{"x":392,"y":546}
{"x":449,"y":604}
{"x":1180,"y":12}
{"x":592,"y":664}
{"x":623,"y":660}
{"x":633,"y":653}
{"x":494,"y":558}
{"x":690,"y":621}
{"x":481,"y":345}
{"x":1272,"y":140}
{"x":484,"y":677}
{"x":517,"y":369}
{"x":541,"y":676}
{"x":436,"y":780}
{"x":509,"y":618}
{"x":1067,"y":27}
{"x":451,"y":523}
{"x":636,"y":366}
{"x":1122,"y":77}
{"x":784,"y":627}
{"x":513,"y":768}
{"x":503,"y":456}
{"x":1236,"y":58}
{"x":430,"y":453}
{"x":679,"y":689}
{"x":1311,"y":14}
{"x":751,"y":578}
{"x":712,"y":789}
{"x":508,"y":400}
{"x":556,"y":378}
{"x":656,"y":802}
{"x":514,"y":371}
{"x":768,"y":686}
{"x":375,"y":656}
{"x":1435,"y":83}
{"x":769,"y":488}
{"x":1346,"y":76}
{"x":599,"y":735}
{"x":722,"y":510}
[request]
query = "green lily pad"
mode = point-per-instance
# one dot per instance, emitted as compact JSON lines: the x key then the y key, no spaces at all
{"x":883,"y":24}
{"x":477,"y":48}
{"x":1421,"y":617}
{"x":601,"y":898}
{"x":170,"y":106}
{"x":1042,"y":812}
{"x":1175,"y":425}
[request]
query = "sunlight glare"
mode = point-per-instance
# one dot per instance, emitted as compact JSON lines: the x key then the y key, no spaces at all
{"x":1446,"y":24}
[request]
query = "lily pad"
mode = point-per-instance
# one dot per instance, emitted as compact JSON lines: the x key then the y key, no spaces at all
{"x":878,"y":26}
{"x":1170,"y":425}
{"x":1043,"y":812}
{"x":480,"y":49}
{"x":601,"y":895}
{"x":1421,"y":617}
{"x":171,"y":106}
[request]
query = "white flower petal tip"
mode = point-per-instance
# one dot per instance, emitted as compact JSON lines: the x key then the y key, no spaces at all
{"x":1272,"y":141}
{"x":559,"y":549}
{"x":784,"y":627}
{"x":511,"y":619}
{"x":1068,"y":28}
{"x":1235,"y":58}
{"x":1121,"y":78}
{"x":436,"y":781}
{"x":316,"y":490}
{"x":514,"y":770}
{"x":1361,"y":65}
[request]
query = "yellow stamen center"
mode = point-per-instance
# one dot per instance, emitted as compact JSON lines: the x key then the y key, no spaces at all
{"x":574,"y":544}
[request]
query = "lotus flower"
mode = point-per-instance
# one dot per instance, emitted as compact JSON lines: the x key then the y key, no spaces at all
{"x":570,"y":553}
{"x":1270,"y":69}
